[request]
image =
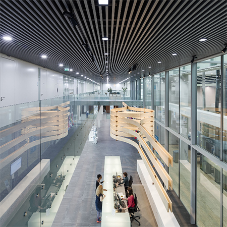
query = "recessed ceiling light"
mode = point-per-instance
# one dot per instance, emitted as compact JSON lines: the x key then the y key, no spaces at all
{"x":77,"y":73}
{"x":202,"y":40}
{"x":149,"y":67}
{"x":142,"y":69}
{"x":159,"y":62}
{"x":85,"y":77}
{"x":44,"y":56}
{"x":7,"y":38}
{"x":104,"y":38}
{"x":106,"y":54}
{"x":82,"y":75}
{"x":103,"y":2}
{"x":60,"y":65}
{"x":71,"y":70}
{"x":174,"y":54}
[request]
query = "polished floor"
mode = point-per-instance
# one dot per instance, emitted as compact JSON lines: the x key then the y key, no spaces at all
{"x":78,"y":207}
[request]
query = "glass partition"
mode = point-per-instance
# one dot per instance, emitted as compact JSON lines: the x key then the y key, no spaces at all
{"x":174,"y":121}
{"x":40,"y":145}
{"x":159,"y":96}
{"x":209,"y":105}
{"x":208,"y":192}
{"x":185,"y":101}
{"x":224,"y":198}
{"x":185,"y":174}
{"x":174,"y":170}
{"x":225,"y":110}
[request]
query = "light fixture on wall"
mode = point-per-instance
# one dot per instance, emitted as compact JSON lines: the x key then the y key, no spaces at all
{"x":224,"y":50}
{"x":193,"y":58}
{"x":149,"y":74}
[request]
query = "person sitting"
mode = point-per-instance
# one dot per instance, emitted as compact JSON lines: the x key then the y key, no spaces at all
{"x":98,"y":202}
{"x":99,"y":182}
{"x":125,"y":181}
{"x":130,"y":199}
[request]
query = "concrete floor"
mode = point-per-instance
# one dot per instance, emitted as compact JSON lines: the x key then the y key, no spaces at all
{"x":78,"y":205}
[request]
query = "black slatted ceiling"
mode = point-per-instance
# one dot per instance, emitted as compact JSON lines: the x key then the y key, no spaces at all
{"x":140,"y":32}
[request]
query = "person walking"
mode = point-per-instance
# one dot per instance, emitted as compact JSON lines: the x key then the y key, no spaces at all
{"x":98,"y":202}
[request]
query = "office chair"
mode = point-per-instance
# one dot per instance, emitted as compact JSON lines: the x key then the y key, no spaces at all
{"x":132,"y":210}
{"x":130,"y":181}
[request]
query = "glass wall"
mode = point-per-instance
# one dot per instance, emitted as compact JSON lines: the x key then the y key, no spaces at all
{"x":208,"y":135}
{"x":225,"y":109}
{"x":185,"y":101}
{"x":209,"y":105}
{"x":39,"y":152}
{"x":185,"y":174}
{"x":159,"y":96}
{"x":174,"y":170}
{"x":174,"y":120}
{"x":224,"y":198}
{"x":208,"y":192}
{"x":147,"y":97}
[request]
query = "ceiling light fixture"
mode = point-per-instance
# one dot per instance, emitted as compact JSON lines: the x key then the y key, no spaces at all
{"x":149,"y":67}
{"x":103,"y":2}
{"x":44,"y":56}
{"x":224,"y":50}
{"x":149,"y":74}
{"x":71,"y":70}
{"x":82,"y":75}
{"x":174,"y":54}
{"x":7,"y":38}
{"x":77,"y":73}
{"x":104,"y":38}
{"x":203,"y":40}
{"x":60,"y":65}
{"x":159,"y":62}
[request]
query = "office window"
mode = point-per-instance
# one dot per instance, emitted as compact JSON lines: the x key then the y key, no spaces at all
{"x":209,"y":105}
{"x":159,"y":96}
{"x":185,"y":174}
{"x":174,"y":120}
{"x":225,"y":110}
{"x":224,"y":198}
{"x":174,"y":170}
{"x":185,"y":101}
{"x":208,"y":192}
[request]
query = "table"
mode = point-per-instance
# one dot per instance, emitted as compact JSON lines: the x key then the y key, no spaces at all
{"x":109,"y":216}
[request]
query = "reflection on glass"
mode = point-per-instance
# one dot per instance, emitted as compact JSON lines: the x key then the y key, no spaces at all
{"x":224,"y":198}
{"x":38,"y":160}
{"x":174,"y":99}
{"x":209,"y":104}
{"x":208,"y":192}
{"x":148,"y":92}
{"x":185,"y":174}
{"x":159,"y":96}
{"x":225,"y":110}
{"x":174,"y":170}
{"x":185,"y":101}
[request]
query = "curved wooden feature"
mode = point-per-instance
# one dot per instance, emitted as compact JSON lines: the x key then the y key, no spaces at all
{"x":139,"y":122}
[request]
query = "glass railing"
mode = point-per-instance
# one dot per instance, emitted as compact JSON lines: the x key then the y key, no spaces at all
{"x":40,"y":145}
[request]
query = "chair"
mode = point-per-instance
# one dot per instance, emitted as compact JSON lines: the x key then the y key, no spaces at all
{"x":132,"y":210}
{"x":130,"y":181}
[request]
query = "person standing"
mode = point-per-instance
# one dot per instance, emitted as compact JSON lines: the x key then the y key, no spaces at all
{"x":98,"y":181}
{"x":98,"y":202}
{"x":125,"y":181}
